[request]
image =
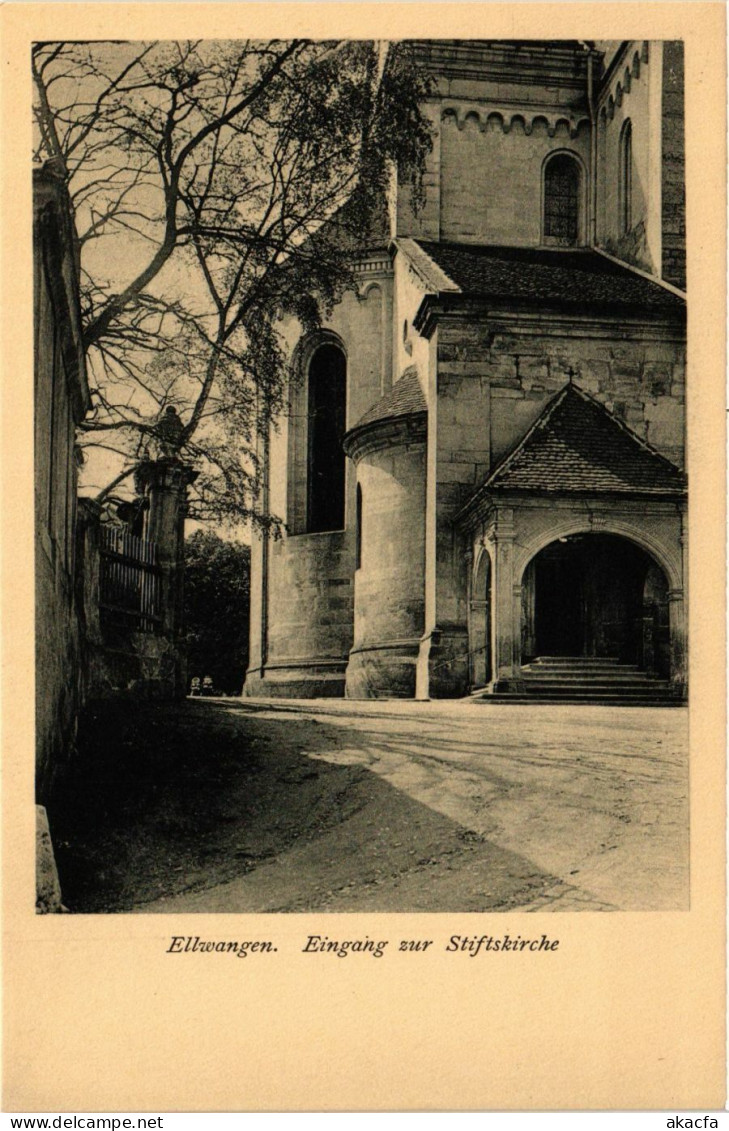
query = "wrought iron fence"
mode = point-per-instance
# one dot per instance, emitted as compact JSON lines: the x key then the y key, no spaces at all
{"x":130,"y":581}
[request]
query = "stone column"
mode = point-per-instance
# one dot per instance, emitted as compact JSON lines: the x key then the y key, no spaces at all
{"x":677,"y":629}
{"x":479,"y":627}
{"x":506,"y":605}
{"x":87,"y":568}
{"x":165,"y":483}
{"x":677,"y":621}
{"x":389,"y":596}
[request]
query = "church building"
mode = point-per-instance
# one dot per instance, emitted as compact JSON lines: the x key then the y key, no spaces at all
{"x":481,"y":469}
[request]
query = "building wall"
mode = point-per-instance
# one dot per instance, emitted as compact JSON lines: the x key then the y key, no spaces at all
{"x":497,"y":112}
{"x":633,"y":91}
{"x":389,"y":589}
{"x":494,"y":378}
{"x":302,"y":587}
{"x":409,"y":347}
{"x":491,"y":136}
{"x":492,"y":171}
{"x":61,"y":398}
{"x":673,"y":211}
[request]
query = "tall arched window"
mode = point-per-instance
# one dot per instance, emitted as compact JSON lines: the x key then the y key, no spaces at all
{"x":562,"y":200}
{"x":626,"y":177}
{"x":358,"y":544}
{"x":327,"y":424}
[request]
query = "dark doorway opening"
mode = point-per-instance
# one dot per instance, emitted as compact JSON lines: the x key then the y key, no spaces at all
{"x":596,"y":595}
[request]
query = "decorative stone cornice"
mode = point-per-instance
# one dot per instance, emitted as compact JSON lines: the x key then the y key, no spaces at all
{"x":555,"y":64}
{"x":391,"y":431}
{"x":170,"y":474}
{"x":530,"y":315}
{"x":508,"y":119}
{"x":377,"y":265}
{"x":618,"y":80}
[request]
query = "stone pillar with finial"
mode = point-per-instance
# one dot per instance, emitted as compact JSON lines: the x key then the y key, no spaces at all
{"x":164,"y":482}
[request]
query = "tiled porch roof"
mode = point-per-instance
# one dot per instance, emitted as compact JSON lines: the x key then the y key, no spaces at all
{"x":404,"y":398}
{"x":578,"y":445}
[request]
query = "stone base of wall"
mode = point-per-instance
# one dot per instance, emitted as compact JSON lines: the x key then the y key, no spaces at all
{"x":147,"y":667}
{"x":304,"y":682}
{"x":383,"y":671}
{"x":443,"y":664}
{"x":47,"y":886}
{"x":60,"y":679}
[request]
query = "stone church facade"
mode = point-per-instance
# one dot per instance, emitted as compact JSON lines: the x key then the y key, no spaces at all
{"x":481,"y":467}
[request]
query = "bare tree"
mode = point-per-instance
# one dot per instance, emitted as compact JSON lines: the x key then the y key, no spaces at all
{"x":216,"y":187}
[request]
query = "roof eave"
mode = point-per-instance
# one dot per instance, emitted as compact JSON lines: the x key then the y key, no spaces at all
{"x":488,"y":494}
{"x":435,"y":306}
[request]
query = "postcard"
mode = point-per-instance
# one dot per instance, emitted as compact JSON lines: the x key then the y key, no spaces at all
{"x":364,"y":580}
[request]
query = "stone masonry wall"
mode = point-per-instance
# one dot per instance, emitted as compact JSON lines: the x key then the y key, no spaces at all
{"x":389,"y":585}
{"x":302,"y":585}
{"x":495,"y":378}
{"x":491,"y":177}
{"x":60,"y":401}
{"x":673,"y":195}
{"x":628,"y":98}
{"x":493,"y":381}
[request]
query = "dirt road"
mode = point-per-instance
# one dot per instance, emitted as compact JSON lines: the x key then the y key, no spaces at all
{"x":237,"y":806}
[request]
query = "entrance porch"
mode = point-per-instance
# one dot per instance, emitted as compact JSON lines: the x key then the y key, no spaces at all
{"x":578,"y":601}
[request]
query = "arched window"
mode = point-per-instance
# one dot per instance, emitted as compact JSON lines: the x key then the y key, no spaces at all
{"x":562,"y":200}
{"x":626,"y":177}
{"x":358,"y":545}
{"x":327,"y":423}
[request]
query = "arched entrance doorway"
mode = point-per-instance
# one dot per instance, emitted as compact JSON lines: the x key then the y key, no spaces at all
{"x":596,"y":595}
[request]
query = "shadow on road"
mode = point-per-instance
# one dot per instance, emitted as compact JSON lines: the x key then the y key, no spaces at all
{"x":171,"y":802}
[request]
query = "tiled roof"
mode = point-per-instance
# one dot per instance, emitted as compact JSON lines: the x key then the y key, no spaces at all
{"x":576,"y":277}
{"x":578,"y":445}
{"x":404,"y":398}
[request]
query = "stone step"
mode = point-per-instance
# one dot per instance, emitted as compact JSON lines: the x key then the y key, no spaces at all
{"x":576,"y":666}
{"x":598,"y":678}
{"x":579,"y":689}
{"x":618,"y":685}
{"x":502,"y":699}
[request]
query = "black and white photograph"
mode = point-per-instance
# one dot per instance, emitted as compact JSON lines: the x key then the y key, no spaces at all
{"x":360,"y":491}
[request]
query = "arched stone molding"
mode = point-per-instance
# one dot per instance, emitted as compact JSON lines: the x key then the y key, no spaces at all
{"x":584,"y":191}
{"x":479,"y":616}
{"x":518,"y":120}
{"x":623,"y":80}
{"x":306,"y":347}
{"x":665,"y":556}
{"x":668,"y":560}
{"x":508,"y":120}
{"x":298,"y":416}
{"x":368,"y":290}
{"x":481,"y":562}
